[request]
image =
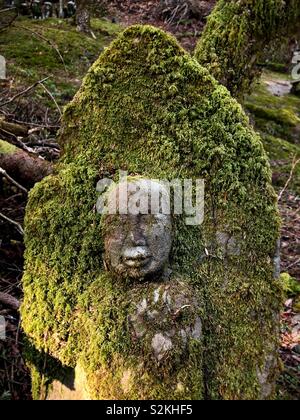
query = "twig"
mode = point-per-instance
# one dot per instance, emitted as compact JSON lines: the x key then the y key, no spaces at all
{"x":294,"y":164}
{"x":35,"y":130}
{"x":29,"y":123}
{"x":180,"y":309}
{"x":184,"y":13}
{"x":42,"y":143}
{"x":9,"y":9}
{"x":12,"y":222}
{"x":4,"y":173}
{"x":170,"y":20}
{"x":18,"y":333}
{"x":46,"y":40}
{"x":293,"y":264}
{"x":9,"y":300}
{"x":52,"y":97}
{"x":93,"y":35}
{"x":24,"y":91}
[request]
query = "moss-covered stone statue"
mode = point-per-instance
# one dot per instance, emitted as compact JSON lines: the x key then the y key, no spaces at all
{"x":109,"y":306}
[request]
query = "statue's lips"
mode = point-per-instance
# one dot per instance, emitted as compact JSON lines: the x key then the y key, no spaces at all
{"x":136,"y":257}
{"x":136,"y":263}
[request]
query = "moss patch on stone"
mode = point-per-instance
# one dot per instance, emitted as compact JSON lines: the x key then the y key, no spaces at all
{"x":148,"y":108}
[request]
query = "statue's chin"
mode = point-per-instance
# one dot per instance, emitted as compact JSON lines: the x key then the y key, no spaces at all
{"x":138,"y":272}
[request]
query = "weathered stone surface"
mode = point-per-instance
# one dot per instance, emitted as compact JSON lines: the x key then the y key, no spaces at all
{"x":137,"y":244}
{"x":148,"y":108}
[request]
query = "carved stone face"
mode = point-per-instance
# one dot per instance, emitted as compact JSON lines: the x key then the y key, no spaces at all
{"x":137,"y":246}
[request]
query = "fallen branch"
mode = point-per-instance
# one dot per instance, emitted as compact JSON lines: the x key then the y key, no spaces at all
{"x":13,"y":222}
{"x":16,"y":141}
{"x":10,"y":179}
{"x":26,"y":169}
{"x":8,"y":9}
{"x":16,"y":129}
{"x":24,"y":92}
{"x":9,"y":300}
{"x":294,"y":164}
{"x":38,"y":126}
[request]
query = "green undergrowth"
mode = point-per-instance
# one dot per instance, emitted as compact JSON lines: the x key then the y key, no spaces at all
{"x":33,"y":48}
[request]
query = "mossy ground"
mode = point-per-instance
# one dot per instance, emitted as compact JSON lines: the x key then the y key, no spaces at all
{"x":31,"y":58}
{"x":277,"y":118}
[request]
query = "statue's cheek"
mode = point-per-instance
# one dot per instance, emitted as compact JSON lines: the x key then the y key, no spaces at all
{"x":113,"y":252}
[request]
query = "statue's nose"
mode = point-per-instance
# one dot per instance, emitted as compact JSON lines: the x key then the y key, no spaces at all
{"x":137,"y":239}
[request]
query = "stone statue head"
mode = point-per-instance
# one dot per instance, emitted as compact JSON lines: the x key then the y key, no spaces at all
{"x":138,"y":240}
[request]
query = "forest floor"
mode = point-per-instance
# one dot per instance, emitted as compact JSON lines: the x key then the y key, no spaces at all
{"x":53,"y":49}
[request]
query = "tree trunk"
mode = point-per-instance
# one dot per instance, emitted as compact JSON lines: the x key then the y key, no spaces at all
{"x":83,"y":16}
{"x":237,"y":35}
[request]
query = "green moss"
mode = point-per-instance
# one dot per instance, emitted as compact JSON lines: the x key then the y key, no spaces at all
{"x":120,"y":370}
{"x":277,"y":67}
{"x":147,"y":107}
{"x":277,"y":116}
{"x":30,"y":50}
{"x":236,"y":37}
{"x":290,"y":285}
{"x":7,"y":148}
{"x":284,"y":116}
{"x":105,"y":27}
